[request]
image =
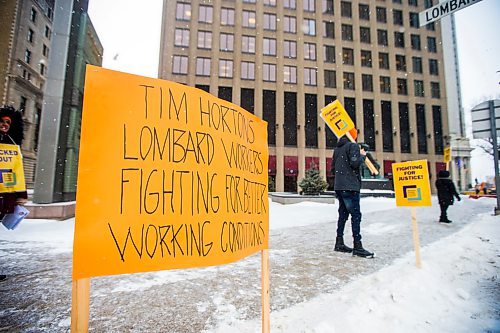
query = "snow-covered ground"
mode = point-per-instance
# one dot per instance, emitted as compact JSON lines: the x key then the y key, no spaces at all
{"x":313,"y":288}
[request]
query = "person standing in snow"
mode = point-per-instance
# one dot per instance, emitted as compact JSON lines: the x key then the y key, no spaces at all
{"x":446,"y":191}
{"x":346,"y":169}
{"x":11,"y":133}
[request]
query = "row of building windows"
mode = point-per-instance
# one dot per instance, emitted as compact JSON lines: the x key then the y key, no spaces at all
{"x":226,"y":43}
{"x":249,"y":18}
{"x":226,"y":69}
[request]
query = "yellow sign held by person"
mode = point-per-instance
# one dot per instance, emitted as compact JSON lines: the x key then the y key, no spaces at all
{"x":337,"y":118}
{"x":447,"y":154}
{"x":411,"y":183}
{"x":11,"y":169}
{"x":169,"y":177}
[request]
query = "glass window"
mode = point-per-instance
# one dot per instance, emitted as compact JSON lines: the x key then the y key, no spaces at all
{"x":309,"y":51}
{"x":183,"y":11}
{"x":382,"y":37}
{"x":181,"y":37}
{"x":227,"y":16}
{"x":435,"y":92}
{"x":347,"y":56}
{"x":381,"y":15}
{"x":397,"y":16}
{"x":417,"y":64}
{"x":428,"y":3}
{"x":309,"y":5}
{"x":383,"y":60}
{"x":399,"y":39}
{"x":364,"y":12}
{"x":269,"y":72}
{"x":366,"y":58}
{"x":415,"y":42}
{"x":269,"y":46}
{"x":400,"y":62}
{"x":345,"y":9}
{"x":225,"y":68}
{"x":309,"y":27}
{"x":402,"y":87}
{"x":290,"y":4}
{"x":421,"y":129}
{"x":385,"y":84}
{"x":27,"y":56}
{"x":310,"y":76}
{"x":45,"y":51}
{"x":290,"y":24}
{"x":248,"y":44}
{"x":367,"y":82}
{"x":290,"y":49}
{"x":42,"y":69}
{"x":31,"y":35}
{"x":414,"y":22}
{"x":330,"y":79}
{"x":180,"y":64}
{"x":431,"y":26}
{"x":346,"y":32}
{"x":269,"y":22}
{"x":290,"y":74}
{"x":433,"y":67}
{"x":387,"y":128}
{"x":249,"y":20}
{"x":413,"y":3}
{"x":33,"y":15}
{"x":205,"y":14}
{"x":48,"y":32}
{"x":419,"y":88}
{"x":431,"y":44}
{"x":404,"y":128}
{"x":349,"y":81}
{"x":203,"y":66}
{"x":226,"y":42}
{"x":364,"y":35}
{"x":327,"y":6}
{"x":328,"y":29}
{"x":204,"y":40}
{"x":271,"y":3}
{"x":329,"y":53}
{"x":247,"y":70}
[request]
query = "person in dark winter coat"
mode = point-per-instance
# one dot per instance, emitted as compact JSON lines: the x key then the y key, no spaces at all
{"x":11,"y":133}
{"x":446,"y":193}
{"x":346,"y":169}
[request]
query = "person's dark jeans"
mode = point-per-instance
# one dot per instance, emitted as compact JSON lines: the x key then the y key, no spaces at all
{"x":444,"y":208}
{"x":349,"y":204}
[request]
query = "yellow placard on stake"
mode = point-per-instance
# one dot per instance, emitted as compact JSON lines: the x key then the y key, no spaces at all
{"x":337,"y":118}
{"x":169,"y":177}
{"x":411,"y":183}
{"x":11,"y":169}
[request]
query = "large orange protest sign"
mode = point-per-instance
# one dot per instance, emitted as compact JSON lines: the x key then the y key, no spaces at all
{"x":11,"y":169}
{"x":169,"y":177}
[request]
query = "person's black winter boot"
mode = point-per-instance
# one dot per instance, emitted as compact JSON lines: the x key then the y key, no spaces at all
{"x":340,"y":246}
{"x":444,"y":220}
{"x":360,"y":252}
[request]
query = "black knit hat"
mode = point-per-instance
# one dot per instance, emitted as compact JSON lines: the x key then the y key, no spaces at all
{"x":443,"y":174}
{"x":16,"y":130}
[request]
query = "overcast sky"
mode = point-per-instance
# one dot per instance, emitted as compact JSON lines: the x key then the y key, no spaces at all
{"x":130,"y":35}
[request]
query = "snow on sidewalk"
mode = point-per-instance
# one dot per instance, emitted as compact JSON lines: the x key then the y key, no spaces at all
{"x":456,"y":290}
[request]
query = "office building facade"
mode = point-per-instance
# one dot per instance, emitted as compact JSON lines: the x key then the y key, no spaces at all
{"x":25,"y":43}
{"x":285,"y":60}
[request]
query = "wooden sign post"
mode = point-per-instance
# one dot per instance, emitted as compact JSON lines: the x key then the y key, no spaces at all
{"x":183,"y":183}
{"x":337,"y":118}
{"x":412,"y":188}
